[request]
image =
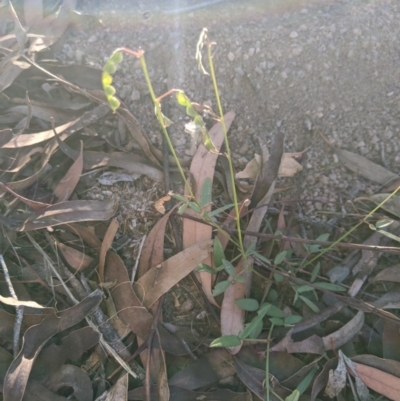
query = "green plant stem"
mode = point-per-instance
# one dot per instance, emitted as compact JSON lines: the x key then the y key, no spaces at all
{"x":229,"y":155}
{"x":350,"y":231}
{"x":161,"y":121}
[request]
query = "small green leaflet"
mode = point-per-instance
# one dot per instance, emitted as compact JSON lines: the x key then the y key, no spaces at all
{"x":195,"y":207}
{"x":106,"y":79}
{"x":248,"y":304}
{"x":256,"y":321}
{"x":218,"y":253}
{"x":294,"y":396}
{"x":205,"y":195}
{"x":292,"y":319}
{"x":229,"y":268}
{"x":206,"y":268}
{"x":310,"y":304}
{"x":226,"y":341}
{"x":330,"y":286}
{"x":280,"y":258}
{"x":276,"y":321}
{"x":221,"y":287}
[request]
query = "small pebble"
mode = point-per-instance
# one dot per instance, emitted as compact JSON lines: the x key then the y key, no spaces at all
{"x":293,"y":35}
{"x":231,"y":56}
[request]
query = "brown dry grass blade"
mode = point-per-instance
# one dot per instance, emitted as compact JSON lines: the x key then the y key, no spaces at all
{"x":69,"y":212}
{"x":118,"y":392}
{"x":35,"y":338}
{"x":162,"y":278}
{"x":130,"y":162}
{"x":127,"y":304}
{"x":106,"y":245}
{"x":76,"y":260}
{"x":153,"y":255}
{"x":153,"y":248}
{"x":381,"y":382}
{"x":391,"y":206}
{"x":35,"y":205}
{"x":202,"y":168}
{"x":64,"y":131}
{"x":67,"y":185}
{"x":11,"y":71}
{"x":389,"y":274}
{"x":367,"y":169}
{"x":139,"y":135}
{"x":52,"y":27}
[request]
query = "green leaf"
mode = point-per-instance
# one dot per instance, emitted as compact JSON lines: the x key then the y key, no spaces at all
{"x":162,"y":118}
{"x":182,"y":99}
{"x":256,"y":329}
{"x":294,"y":396}
{"x":389,"y":235}
{"x":205,"y":195}
{"x":273,"y":295}
{"x":110,"y":68}
{"x":226,"y":341}
{"x":247,"y":304}
{"x":218,"y":253}
{"x":278,"y":278}
{"x":310,"y":304}
{"x":280,"y":258}
{"x":195,"y":207}
{"x":229,"y":268}
{"x":330,"y":286}
{"x":116,"y":57}
{"x":203,"y":267}
{"x":315,"y":271}
{"x":106,"y":80}
{"x":276,"y":321}
{"x":383,"y":223}
{"x":191,"y":112}
{"x":182,"y":209}
{"x":323,"y":237}
{"x":221,"y":287}
{"x":304,"y":288}
{"x":113,"y":102}
{"x":239,"y":279}
{"x":256,"y":321}
{"x":274,"y":311}
{"x":180,"y":198}
{"x":207,"y":142}
{"x":302,"y":387}
{"x":109,"y":90}
{"x":216,"y":212}
{"x":292,"y":319}
{"x":261,"y":257}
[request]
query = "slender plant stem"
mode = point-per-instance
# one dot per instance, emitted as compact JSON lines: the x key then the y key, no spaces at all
{"x":161,"y":121}
{"x":228,"y":152}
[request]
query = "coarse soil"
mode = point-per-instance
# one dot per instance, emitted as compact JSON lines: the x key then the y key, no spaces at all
{"x":303,"y":67}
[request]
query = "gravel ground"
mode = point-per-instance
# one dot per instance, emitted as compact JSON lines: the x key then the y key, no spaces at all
{"x":305,"y":67}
